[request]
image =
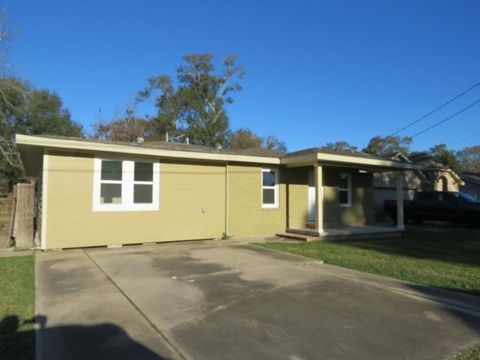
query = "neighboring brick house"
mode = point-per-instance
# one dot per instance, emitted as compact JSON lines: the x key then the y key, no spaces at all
{"x":472,"y":184}
{"x":434,"y":177}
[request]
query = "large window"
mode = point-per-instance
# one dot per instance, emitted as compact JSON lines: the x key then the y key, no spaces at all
{"x":269,"y":188}
{"x":345,"y":190}
{"x":124,"y":185}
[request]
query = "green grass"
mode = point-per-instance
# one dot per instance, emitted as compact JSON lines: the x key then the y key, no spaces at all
{"x":472,"y":353}
{"x":439,"y":256}
{"x":16,"y":307}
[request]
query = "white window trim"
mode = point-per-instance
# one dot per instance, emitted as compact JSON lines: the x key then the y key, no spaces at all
{"x":348,"y":190}
{"x":128,"y":171}
{"x":275,"y":205}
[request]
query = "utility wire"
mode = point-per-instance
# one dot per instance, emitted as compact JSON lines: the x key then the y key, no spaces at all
{"x":447,"y":118}
{"x":436,"y":109}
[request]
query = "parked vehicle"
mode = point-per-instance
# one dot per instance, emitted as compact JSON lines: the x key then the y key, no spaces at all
{"x":445,"y":206}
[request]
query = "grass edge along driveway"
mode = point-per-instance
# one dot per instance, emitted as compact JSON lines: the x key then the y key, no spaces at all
{"x":17,"y":307}
{"x":438,"y":256}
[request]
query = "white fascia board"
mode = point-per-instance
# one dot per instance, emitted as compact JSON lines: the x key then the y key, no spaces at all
{"x":310,"y":159}
{"x":137,"y":150}
{"x":366,"y":161}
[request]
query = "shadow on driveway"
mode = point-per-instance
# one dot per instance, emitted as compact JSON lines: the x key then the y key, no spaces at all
{"x":102,"y":341}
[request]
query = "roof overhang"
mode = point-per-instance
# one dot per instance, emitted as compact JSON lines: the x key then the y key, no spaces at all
{"x":26,"y":141}
{"x":32,"y":147}
{"x":346,"y":160}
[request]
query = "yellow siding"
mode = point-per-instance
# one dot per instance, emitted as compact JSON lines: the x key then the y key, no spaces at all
{"x":361,"y":210}
{"x":192,"y":204}
{"x":185,"y":189}
{"x":360,"y":213}
{"x":298,"y":197}
{"x":246,"y":216}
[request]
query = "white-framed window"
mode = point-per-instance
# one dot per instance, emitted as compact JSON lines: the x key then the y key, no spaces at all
{"x":345,"y":190}
{"x":125,"y":185}
{"x":269,"y":188}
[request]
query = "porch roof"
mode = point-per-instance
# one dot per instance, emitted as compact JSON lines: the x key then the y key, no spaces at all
{"x":345,"y":158}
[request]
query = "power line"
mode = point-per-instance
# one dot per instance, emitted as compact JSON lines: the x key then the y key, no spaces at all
{"x":447,"y":118}
{"x":436,"y":109}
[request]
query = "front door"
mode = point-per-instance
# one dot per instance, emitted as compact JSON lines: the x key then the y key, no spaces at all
{"x":311,"y":197}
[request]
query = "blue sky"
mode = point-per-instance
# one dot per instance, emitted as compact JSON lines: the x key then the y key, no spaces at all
{"x":316,"y":71}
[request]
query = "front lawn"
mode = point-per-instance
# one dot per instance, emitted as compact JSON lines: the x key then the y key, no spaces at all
{"x":440,"y":256}
{"x":16,"y":308}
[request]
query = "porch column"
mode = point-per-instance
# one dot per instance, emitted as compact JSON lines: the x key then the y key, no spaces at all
{"x":400,"y":217}
{"x":318,"y":171}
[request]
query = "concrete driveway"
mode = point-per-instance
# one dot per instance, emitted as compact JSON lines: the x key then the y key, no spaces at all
{"x":222,"y":300}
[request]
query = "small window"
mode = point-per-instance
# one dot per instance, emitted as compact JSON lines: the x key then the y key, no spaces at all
{"x":269,"y":188}
{"x":112,"y":170}
{"x":125,"y":185}
{"x":143,"y":171}
{"x":111,"y":193}
{"x":143,"y":183}
{"x":345,"y":190}
{"x":111,"y":182}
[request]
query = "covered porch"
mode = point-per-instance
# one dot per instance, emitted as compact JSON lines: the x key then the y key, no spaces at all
{"x":339,"y":197}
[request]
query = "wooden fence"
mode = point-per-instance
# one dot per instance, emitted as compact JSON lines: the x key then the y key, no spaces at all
{"x":23,"y":214}
{"x":6,"y":206}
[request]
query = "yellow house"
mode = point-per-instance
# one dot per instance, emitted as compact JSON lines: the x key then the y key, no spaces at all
{"x":94,"y":193}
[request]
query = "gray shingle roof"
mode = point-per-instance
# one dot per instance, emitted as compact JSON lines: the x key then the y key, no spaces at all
{"x":208,"y":149}
{"x":177,"y":146}
{"x":315,"y":150}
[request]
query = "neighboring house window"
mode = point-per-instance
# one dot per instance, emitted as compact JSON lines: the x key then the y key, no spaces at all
{"x":269,"y":188}
{"x":345,"y":189}
{"x":125,"y":185}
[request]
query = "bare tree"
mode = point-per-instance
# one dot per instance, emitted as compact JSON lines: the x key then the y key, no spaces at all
{"x":126,"y":127}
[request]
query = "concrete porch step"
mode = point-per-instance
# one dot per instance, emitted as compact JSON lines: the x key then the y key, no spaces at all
{"x":347,"y":233}
{"x":307,"y":232}
{"x":293,"y":236}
